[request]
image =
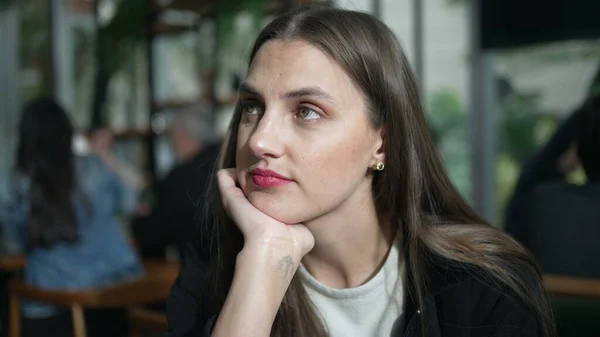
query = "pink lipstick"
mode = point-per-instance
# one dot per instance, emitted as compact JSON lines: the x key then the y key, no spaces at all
{"x":268,"y":178}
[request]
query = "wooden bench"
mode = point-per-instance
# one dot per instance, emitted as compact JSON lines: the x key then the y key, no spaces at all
{"x":144,"y":319}
{"x":559,"y":285}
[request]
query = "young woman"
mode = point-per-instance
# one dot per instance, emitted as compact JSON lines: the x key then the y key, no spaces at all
{"x":61,"y":211}
{"x":334,"y":215}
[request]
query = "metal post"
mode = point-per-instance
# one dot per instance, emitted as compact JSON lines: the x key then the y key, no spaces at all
{"x":9,"y":81}
{"x":376,"y":8}
{"x":418,"y":42}
{"x":151,"y":137}
{"x":62,"y":54}
{"x":101,"y":78}
{"x":482,"y":123}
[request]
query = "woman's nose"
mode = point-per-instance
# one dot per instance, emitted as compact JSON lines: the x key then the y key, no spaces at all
{"x":266,"y":140}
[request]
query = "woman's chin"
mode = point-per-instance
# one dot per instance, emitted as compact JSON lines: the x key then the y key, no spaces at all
{"x":275,"y":209}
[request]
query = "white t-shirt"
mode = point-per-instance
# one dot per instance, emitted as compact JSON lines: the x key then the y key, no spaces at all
{"x":372,"y":309}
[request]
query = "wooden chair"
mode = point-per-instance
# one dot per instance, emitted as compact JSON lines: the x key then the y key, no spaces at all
{"x":153,"y":287}
{"x":13,"y":263}
{"x":141,"y":319}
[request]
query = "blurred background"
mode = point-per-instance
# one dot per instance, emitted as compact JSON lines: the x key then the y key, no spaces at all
{"x":498,"y":78}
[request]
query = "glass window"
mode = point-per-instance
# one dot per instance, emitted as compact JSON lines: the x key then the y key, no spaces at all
{"x":538,"y":87}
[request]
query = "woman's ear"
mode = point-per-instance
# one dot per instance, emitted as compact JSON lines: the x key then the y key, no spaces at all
{"x":379,"y":148}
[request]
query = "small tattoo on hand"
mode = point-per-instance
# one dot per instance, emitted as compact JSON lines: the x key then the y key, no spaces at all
{"x":285,"y":265}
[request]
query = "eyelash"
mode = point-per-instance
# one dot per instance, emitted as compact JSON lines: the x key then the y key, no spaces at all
{"x":248,"y":103}
{"x":244,"y":105}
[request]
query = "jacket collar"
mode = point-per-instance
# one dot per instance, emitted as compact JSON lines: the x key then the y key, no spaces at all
{"x":440,"y":275}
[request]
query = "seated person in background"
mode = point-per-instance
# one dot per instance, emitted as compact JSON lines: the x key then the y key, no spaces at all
{"x":172,"y":218}
{"x":556,"y":220}
{"x":61,"y":211}
{"x":556,"y":159}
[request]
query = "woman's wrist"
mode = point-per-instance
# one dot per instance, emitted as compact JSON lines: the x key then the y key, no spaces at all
{"x":262,"y":276}
{"x":278,"y":264}
{"x":273,"y":248}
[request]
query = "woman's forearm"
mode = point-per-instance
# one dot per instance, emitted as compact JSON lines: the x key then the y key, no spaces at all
{"x":261,"y":278}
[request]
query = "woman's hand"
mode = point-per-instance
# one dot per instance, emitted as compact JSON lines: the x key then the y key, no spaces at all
{"x":264,"y":268}
{"x":259,"y":229}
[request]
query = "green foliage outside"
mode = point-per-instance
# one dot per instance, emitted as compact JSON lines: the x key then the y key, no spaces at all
{"x":34,"y":51}
{"x":448,"y":122}
{"x":522,"y":126}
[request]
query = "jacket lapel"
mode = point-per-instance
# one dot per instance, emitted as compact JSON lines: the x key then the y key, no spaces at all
{"x":439,"y":277}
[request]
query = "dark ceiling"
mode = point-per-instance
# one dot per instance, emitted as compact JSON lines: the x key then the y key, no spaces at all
{"x":510,"y":23}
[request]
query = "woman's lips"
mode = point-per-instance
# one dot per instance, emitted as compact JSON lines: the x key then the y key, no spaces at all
{"x":263,"y":181}
{"x":267,"y":178}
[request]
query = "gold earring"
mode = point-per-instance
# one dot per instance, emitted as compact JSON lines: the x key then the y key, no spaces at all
{"x":379,"y":167}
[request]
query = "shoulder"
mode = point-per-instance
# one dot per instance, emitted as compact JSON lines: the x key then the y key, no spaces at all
{"x":213,"y":149}
{"x":585,"y":190}
{"x":485,"y":291}
{"x":549,"y":201}
{"x":475,"y":299}
{"x":207,"y":158}
{"x":553,"y":189}
{"x":198,"y":169}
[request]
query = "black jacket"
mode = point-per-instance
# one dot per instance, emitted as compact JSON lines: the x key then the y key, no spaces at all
{"x":460,"y":302}
{"x":172,"y":219}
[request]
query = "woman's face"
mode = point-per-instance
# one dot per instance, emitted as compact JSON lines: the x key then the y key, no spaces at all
{"x":305,"y":146}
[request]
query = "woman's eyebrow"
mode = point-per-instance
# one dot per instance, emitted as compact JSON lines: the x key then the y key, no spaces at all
{"x":312,"y":91}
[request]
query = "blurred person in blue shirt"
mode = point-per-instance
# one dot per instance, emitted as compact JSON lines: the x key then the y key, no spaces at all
{"x":62,"y":212}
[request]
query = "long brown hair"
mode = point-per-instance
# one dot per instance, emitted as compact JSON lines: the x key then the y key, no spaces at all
{"x":414,"y":186}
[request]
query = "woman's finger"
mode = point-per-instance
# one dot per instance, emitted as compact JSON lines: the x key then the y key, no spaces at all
{"x":234,"y":201}
{"x":227,"y":179}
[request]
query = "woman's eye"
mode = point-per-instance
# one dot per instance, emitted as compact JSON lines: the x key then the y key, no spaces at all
{"x":251,"y":108}
{"x":308,"y":113}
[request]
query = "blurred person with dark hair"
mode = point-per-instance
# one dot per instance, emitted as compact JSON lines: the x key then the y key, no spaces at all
{"x":547,"y":211}
{"x":61,"y":211}
{"x":175,"y":213}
